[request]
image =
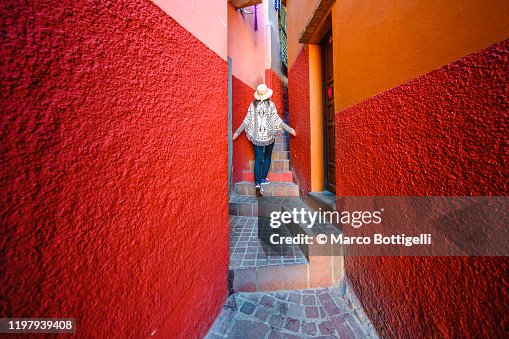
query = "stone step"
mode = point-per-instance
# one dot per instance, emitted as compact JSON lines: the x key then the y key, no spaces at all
{"x":252,"y":206}
{"x":275,"y":165}
{"x":302,"y":229}
{"x":248,"y":205}
{"x":274,"y":176}
{"x":281,"y":146}
{"x":253,"y":270}
{"x":283,"y":138}
{"x":271,"y":278}
{"x":280,"y":155}
{"x":322,"y":271}
{"x":335,"y":312}
{"x":275,"y":189}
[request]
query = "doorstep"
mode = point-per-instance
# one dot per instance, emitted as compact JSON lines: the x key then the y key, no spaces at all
{"x":324,"y":198}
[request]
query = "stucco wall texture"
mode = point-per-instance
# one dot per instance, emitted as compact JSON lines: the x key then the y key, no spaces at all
{"x":242,"y":96}
{"x":109,"y":141}
{"x":444,"y":133}
{"x":298,"y":100}
{"x":280,"y":92}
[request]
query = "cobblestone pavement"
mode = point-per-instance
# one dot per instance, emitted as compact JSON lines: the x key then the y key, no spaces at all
{"x":318,"y":313}
{"x":246,"y":251}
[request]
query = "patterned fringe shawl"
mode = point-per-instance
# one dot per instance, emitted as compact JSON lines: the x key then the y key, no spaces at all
{"x":262,"y":123}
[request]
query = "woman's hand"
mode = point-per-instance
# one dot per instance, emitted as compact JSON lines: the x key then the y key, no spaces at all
{"x":292,"y":132}
{"x":235,"y":136}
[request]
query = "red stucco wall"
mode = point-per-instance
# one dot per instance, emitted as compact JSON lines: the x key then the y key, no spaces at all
{"x":108,"y":144}
{"x":242,"y":96}
{"x":280,"y":92}
{"x":444,"y":133}
{"x":298,"y":99}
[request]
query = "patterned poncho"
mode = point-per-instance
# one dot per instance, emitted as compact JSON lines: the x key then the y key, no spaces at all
{"x":262,"y":123}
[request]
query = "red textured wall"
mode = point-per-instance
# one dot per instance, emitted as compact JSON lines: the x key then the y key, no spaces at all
{"x":298,"y":99}
{"x":280,"y":92}
{"x":444,"y":133}
{"x":108,"y":144}
{"x":242,"y":96}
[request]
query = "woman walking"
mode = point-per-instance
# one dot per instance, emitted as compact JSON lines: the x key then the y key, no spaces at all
{"x":262,"y":125}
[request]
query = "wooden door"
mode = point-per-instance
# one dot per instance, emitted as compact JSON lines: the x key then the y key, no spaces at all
{"x":328,"y":114}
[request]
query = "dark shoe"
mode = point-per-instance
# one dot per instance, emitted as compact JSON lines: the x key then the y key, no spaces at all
{"x":259,"y":191}
{"x":265,"y":181}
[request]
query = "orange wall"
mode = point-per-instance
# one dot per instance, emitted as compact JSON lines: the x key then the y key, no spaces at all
{"x":379,"y":44}
{"x":316,"y":118}
{"x":206,"y":20}
{"x":249,"y":49}
{"x":299,"y":14}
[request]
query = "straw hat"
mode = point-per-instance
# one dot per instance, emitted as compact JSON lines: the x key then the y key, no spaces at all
{"x":262,"y":92}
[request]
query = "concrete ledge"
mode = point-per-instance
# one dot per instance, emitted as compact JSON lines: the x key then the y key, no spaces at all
{"x":325,"y":198}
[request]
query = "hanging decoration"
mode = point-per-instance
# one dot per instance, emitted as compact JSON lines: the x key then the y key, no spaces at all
{"x":277,"y":4}
{"x":255,"y":18}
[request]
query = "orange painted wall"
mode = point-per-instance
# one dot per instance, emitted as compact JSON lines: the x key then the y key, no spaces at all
{"x":299,"y":14}
{"x":316,"y":118}
{"x":379,"y":44}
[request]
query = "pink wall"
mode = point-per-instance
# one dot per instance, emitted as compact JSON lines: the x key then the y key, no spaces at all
{"x":443,"y":134}
{"x":249,"y":49}
{"x":108,"y":146}
{"x":206,"y":20}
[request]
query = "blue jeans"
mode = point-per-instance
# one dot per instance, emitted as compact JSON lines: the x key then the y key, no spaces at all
{"x":262,"y":158}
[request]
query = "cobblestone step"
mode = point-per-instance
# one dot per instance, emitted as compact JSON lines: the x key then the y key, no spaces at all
{"x":274,"y":176}
{"x":275,"y":189}
{"x":309,"y":313}
{"x":275,"y":165}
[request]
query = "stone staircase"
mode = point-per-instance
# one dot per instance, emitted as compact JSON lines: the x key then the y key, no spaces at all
{"x":281,"y":177}
{"x":253,"y":266}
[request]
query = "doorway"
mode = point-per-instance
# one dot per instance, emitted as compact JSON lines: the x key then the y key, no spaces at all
{"x":329,"y":127}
